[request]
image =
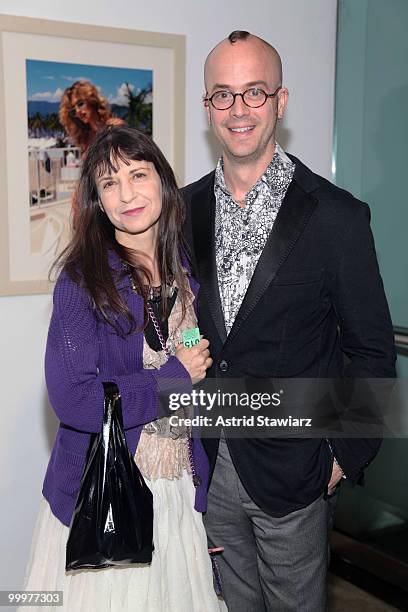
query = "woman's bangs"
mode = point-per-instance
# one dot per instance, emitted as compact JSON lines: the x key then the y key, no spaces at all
{"x":109,"y":160}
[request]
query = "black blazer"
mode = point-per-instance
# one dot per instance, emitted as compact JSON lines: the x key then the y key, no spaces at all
{"x":316,"y":300}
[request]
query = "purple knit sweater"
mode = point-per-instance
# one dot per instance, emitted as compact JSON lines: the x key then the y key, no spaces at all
{"x":82,"y":352}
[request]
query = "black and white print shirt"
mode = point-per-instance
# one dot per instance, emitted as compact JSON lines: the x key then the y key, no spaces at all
{"x":241,"y":233}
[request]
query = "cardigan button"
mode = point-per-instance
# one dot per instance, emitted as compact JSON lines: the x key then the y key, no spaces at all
{"x":223,"y":365}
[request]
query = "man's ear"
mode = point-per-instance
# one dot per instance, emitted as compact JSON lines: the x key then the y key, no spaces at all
{"x":207,"y":108}
{"x":283,"y":97}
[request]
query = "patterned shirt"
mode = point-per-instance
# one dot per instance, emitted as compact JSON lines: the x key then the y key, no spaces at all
{"x":241,"y":233}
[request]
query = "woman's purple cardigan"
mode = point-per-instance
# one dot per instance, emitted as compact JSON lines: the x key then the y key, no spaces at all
{"x":82,"y":352}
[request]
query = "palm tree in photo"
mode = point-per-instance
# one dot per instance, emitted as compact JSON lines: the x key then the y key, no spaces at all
{"x":53,"y":125}
{"x":139,"y":112}
{"x":37,"y":124}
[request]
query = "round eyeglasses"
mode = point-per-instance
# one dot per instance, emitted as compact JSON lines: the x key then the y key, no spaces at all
{"x":252,"y":97}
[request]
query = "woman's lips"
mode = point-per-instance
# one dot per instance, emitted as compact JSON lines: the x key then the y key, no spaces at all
{"x":133,"y":212}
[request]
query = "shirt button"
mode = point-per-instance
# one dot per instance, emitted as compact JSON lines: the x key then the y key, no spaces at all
{"x":223,"y":365}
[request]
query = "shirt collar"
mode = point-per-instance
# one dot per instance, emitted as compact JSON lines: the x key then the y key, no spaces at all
{"x":279,"y":158}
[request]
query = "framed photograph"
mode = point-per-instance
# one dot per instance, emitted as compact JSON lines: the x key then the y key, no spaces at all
{"x":60,"y":83}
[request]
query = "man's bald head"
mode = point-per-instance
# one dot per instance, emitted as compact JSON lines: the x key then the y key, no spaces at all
{"x":245,"y":64}
{"x":239,"y":37}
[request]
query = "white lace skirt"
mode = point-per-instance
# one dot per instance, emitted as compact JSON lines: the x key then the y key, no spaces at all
{"x":179,"y":578}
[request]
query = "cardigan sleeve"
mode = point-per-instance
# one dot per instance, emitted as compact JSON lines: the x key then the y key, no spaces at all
{"x":71,"y":368}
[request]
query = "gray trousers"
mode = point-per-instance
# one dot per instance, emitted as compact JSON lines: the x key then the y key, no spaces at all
{"x":269,"y":564}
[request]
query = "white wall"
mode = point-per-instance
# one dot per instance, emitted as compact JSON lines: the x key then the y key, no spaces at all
{"x":304,"y":33}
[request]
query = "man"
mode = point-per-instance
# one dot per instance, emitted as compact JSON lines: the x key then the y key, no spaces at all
{"x":290,"y":287}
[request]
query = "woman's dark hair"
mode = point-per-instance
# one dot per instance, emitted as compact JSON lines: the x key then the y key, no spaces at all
{"x":86,"y":257}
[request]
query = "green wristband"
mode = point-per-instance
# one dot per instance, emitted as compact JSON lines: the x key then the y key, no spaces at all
{"x":191,"y":337}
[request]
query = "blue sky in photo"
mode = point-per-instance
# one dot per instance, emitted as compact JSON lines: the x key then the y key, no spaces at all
{"x":46,"y":81}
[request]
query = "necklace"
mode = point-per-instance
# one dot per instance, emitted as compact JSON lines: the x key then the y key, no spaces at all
{"x":154,"y":293}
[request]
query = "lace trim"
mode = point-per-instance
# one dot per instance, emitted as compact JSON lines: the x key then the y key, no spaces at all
{"x":159,"y":457}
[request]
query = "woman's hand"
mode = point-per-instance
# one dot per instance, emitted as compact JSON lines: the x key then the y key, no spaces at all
{"x":196,"y":360}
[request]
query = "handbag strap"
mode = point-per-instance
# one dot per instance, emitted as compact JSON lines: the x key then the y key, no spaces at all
{"x":159,"y":333}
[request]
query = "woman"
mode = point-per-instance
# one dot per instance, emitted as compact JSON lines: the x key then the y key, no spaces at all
{"x":83,"y":112}
{"x":125,"y":260}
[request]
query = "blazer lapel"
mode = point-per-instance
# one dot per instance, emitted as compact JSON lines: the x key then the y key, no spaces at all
{"x":295,"y":211}
{"x":203,"y":225}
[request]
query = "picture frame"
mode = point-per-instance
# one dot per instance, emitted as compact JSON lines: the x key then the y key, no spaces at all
{"x":24,"y":268}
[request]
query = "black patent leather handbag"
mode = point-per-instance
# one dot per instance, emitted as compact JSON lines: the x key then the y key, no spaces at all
{"x":112,"y":522}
